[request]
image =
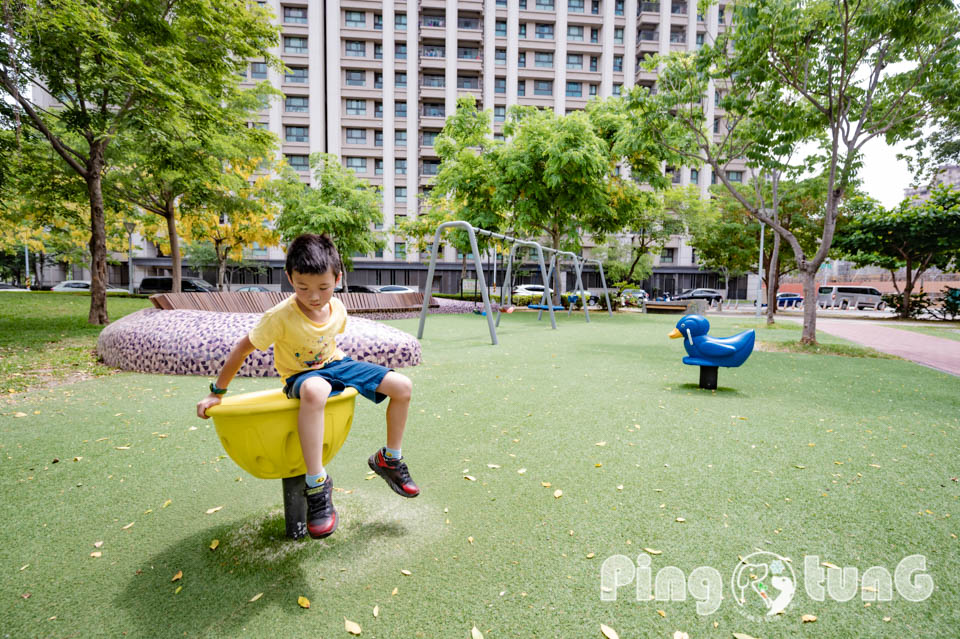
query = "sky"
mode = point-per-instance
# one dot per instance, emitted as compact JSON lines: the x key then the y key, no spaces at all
{"x":884,"y":176}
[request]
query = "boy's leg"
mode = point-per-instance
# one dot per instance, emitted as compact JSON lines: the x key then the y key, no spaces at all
{"x":393,"y":470}
{"x":322,"y":518}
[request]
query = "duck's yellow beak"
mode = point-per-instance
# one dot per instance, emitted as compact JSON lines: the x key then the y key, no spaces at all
{"x":675,"y":333}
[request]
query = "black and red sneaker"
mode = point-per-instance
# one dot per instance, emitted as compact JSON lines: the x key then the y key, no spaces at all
{"x":322,"y":517}
{"x":395,"y":473}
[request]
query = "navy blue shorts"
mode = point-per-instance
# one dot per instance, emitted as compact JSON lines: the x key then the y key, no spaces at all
{"x":363,"y":376}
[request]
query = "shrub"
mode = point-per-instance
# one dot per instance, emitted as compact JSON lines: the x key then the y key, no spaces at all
{"x":919,"y":304}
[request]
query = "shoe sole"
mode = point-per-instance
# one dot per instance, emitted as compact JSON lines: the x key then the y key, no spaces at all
{"x":336,"y":523}
{"x":397,"y":489}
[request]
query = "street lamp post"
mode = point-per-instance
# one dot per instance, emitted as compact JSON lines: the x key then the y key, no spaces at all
{"x":130,"y":226}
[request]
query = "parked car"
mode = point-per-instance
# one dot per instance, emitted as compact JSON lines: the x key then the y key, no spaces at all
{"x":574,"y":296}
{"x":844,"y":297}
{"x":394,"y":288}
{"x":709,"y":294}
{"x":789,"y":300}
{"x":77,"y":286}
{"x":10,"y":287}
{"x":634,"y":295}
{"x":363,"y":288}
{"x":151,"y":285}
{"x":253,"y":288}
{"x":530,"y":289}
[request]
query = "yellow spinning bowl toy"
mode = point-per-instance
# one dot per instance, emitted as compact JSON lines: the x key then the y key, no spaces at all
{"x":259,"y":431}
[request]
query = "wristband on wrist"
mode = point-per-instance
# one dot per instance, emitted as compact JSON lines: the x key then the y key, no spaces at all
{"x":216,"y":390}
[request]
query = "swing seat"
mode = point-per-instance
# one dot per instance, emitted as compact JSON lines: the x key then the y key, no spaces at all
{"x":544,"y":307}
{"x":259,"y":431}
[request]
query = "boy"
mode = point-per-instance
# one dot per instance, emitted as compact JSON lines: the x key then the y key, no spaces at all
{"x":302,"y":330}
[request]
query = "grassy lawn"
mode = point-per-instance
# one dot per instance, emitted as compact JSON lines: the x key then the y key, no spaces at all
{"x":947,"y":330}
{"x":851,"y":459}
{"x":45,"y":337}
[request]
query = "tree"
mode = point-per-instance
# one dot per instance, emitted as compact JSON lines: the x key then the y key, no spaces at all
{"x":341,"y":205}
{"x":914,"y":236}
{"x":794,"y":71}
{"x":117,"y":66}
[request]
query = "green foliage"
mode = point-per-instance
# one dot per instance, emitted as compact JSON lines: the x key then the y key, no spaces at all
{"x":950,"y":307}
{"x":918,"y":305}
{"x":342,"y":205}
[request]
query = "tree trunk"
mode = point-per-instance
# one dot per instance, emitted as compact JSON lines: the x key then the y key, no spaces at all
{"x":221,"y":272}
{"x":907,"y":290}
{"x":98,"y":242}
{"x":809,"y":277}
{"x":773,"y":279}
{"x":175,"y":259}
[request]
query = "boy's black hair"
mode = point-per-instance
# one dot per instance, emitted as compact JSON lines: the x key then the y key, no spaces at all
{"x":312,"y":254}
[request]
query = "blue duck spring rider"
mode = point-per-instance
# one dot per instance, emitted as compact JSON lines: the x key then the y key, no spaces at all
{"x":711,"y":352}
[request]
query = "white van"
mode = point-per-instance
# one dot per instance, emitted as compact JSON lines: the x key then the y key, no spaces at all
{"x":844,"y":297}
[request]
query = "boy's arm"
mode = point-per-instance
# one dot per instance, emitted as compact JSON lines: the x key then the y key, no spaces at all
{"x":238,"y":353}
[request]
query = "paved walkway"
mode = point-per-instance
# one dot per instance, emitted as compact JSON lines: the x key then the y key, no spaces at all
{"x":936,"y":352}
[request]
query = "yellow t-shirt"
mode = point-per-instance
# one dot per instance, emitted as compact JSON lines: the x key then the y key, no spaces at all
{"x":299,"y":343}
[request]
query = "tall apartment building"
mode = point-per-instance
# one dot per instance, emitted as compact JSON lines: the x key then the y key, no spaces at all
{"x":373,"y":82}
{"x":948,"y":174}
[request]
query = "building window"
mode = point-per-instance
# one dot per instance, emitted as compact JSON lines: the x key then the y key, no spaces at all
{"x":618,"y":63}
{"x":499,"y":113}
{"x":378,"y":21}
{"x":433,"y":21}
{"x":647,"y":35}
{"x":378,"y":167}
{"x":429,"y":137}
{"x":543,"y":60}
{"x":618,"y":35}
{"x":500,"y":56}
{"x":356,"y":78}
{"x":699,"y":40}
{"x":501,"y":3}
{"x":357,"y":164}
{"x":593,"y":90}
{"x":575,"y":6}
{"x":400,"y":79}
{"x":650,"y":7}
{"x":594,"y":36}
{"x":400,"y":138}
{"x":666,"y":256}
{"x":355,"y":48}
{"x":574,"y":89}
{"x":400,"y":109}
{"x":296,"y":134}
{"x":296,"y":75}
{"x":433,"y":110}
{"x":258,"y":70}
{"x":521,"y":58}
{"x":500,"y":85}
{"x":501,"y":29}
{"x":356,"y":136}
{"x":593,"y":62}
{"x":378,"y":109}
{"x":574,"y":33}
{"x":595,"y":7}
{"x":400,"y":21}
{"x":617,"y":88}
{"x":468,"y":53}
{"x":377,"y":138}
{"x":544,"y":31}
{"x":678,"y":8}
{"x":544,"y":5}
{"x":299,"y":162}
{"x":523,"y":30}
{"x":468,"y":23}
{"x":575,"y":61}
{"x":618,"y":7}
{"x":694,"y":176}
{"x":720,"y":16}
{"x":377,"y":80}
{"x":400,"y":250}
{"x":400,"y":167}
{"x":468,"y":82}
{"x":678,"y":37}
{"x":716,"y":125}
{"x":400,"y":193}
{"x":295,"y":15}
{"x":521,"y":87}
{"x":377,"y":51}
{"x":431,"y":167}
{"x":400,"y":51}
{"x":434,"y":81}
{"x":296,"y":104}
{"x":355,"y":19}
{"x":735,"y":176}
{"x":543,"y":87}
{"x":356,"y":107}
{"x":434,"y":51}
{"x":294,"y":45}
{"x":242,"y":73}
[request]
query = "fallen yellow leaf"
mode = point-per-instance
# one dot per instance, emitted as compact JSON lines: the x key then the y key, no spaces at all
{"x":591,"y":555}
{"x":620,"y":487}
{"x":351,"y":626}
{"x":178,"y":576}
{"x":886,"y":618}
{"x":214,"y":544}
{"x":303,"y":602}
{"x":545,"y":484}
{"x":475,"y":634}
{"x":680,"y":635}
{"x":661,"y":613}
{"x":470,"y":478}
{"x":167,"y":503}
{"x":210,"y":511}
{"x":98,"y":544}
{"x":19,"y":414}
{"x":122,"y":447}
{"x":829,"y":565}
{"x":405,"y":572}
{"x":601,"y":443}
{"x":652,"y":551}
{"x":177,"y":591}
{"x":394,"y":592}
{"x":255,"y":597}
{"x":96,"y":554}
{"x":681,"y":519}
{"x":521,"y":471}
{"x":808,"y":618}
{"x":128,"y":525}
{"x":493,"y":466}
{"x":557,"y":494}
{"x":376,"y":611}
{"x":740,"y":635}
{"x":598,"y":465}
{"x":609,"y":632}
{"x":470,"y":539}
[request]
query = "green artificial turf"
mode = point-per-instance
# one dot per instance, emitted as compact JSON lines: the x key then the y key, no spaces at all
{"x":850,"y":459}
